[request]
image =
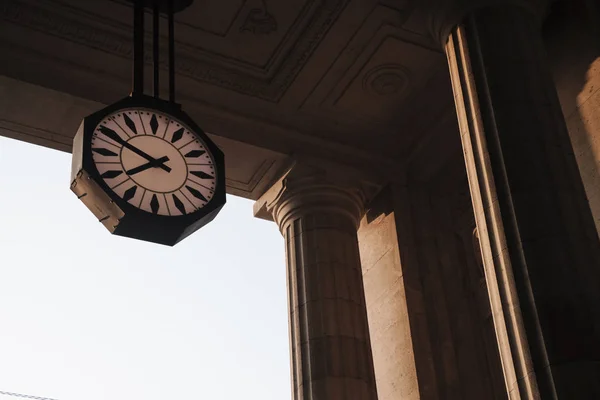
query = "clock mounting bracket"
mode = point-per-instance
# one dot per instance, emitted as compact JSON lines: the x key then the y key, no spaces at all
{"x":163,"y":5}
{"x":156,"y":7}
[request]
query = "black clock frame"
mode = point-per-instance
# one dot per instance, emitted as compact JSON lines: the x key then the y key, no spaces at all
{"x":137,"y":223}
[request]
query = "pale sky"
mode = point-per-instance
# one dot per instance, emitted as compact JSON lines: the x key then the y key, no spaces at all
{"x":85,"y":315}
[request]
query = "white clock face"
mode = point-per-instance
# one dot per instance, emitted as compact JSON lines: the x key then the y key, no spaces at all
{"x":153,"y":162}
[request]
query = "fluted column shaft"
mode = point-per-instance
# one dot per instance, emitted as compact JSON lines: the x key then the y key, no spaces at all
{"x":540,"y":247}
{"x":330,"y":350}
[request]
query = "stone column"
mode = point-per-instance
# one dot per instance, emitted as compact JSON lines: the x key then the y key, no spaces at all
{"x":330,"y":349}
{"x":540,"y":248}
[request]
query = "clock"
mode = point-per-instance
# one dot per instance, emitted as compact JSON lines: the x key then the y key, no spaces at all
{"x":147,"y":171}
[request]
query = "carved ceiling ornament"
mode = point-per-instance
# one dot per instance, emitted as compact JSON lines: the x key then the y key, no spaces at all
{"x":387,"y":80}
{"x":79,"y":26}
{"x":259,"y":20}
{"x":446,"y":14}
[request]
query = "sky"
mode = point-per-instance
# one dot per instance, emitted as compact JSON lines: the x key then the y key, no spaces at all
{"x":85,"y":315}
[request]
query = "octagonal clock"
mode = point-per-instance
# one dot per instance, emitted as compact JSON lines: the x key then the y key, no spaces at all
{"x":147,"y":171}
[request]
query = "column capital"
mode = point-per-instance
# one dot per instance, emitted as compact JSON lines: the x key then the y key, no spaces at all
{"x":317,"y":206}
{"x":444,"y":15}
{"x":312,"y":187}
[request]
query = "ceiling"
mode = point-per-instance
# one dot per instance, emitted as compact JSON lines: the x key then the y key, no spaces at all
{"x":359,"y":82}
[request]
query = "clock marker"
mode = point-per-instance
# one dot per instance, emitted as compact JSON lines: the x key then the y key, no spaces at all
{"x":110,"y":133}
{"x":130,"y":123}
{"x":129,"y":193}
{"x":185,"y":145}
{"x":141,"y":121}
{"x":196,"y":193}
{"x":154,"y":124}
{"x":154,"y":204}
{"x":166,"y":127}
{"x":164,"y":196}
{"x":179,"y":204}
{"x":104,"y":152}
{"x":96,"y":137}
{"x":210,"y":189}
{"x":178,"y":134}
{"x":202,"y":175}
{"x":139,"y":205}
{"x":195,"y":153}
{"x":188,"y":199}
{"x":120,"y":184}
{"x":111,"y":174}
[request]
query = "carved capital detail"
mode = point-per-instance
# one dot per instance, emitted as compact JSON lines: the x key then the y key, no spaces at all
{"x":307,"y":188}
{"x":446,"y":14}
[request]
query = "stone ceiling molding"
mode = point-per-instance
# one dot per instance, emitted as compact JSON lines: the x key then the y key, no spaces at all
{"x":444,"y":15}
{"x":379,"y":71}
{"x":52,"y":23}
{"x":80,"y":27}
{"x":343,"y":78}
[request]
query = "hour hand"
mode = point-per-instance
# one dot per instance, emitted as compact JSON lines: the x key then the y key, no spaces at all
{"x":151,"y":164}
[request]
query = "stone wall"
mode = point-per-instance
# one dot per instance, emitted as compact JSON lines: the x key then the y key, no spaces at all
{"x":461,"y":333}
{"x":431,"y":328}
{"x":572,"y":37}
{"x":387,"y":309}
{"x":432,"y":333}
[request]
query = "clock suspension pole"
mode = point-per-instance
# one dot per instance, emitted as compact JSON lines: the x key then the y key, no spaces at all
{"x":155,"y":46}
{"x":170,"y":13}
{"x":138,"y":47}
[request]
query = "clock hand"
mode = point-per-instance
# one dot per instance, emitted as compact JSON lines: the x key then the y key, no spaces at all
{"x":151,"y":164}
{"x":146,"y":156}
{"x":115,"y":136}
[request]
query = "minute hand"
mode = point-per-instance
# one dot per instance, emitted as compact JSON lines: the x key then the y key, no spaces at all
{"x":115,"y":136}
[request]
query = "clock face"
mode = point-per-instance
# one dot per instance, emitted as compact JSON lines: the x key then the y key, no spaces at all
{"x":154,"y":162}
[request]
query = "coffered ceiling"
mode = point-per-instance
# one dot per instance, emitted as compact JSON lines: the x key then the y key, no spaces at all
{"x":359,"y":82}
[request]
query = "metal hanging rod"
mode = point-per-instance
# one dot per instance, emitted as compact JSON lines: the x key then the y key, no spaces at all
{"x":168,"y":7}
{"x":138,"y":47}
{"x":156,"y":48}
{"x":170,"y":14}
